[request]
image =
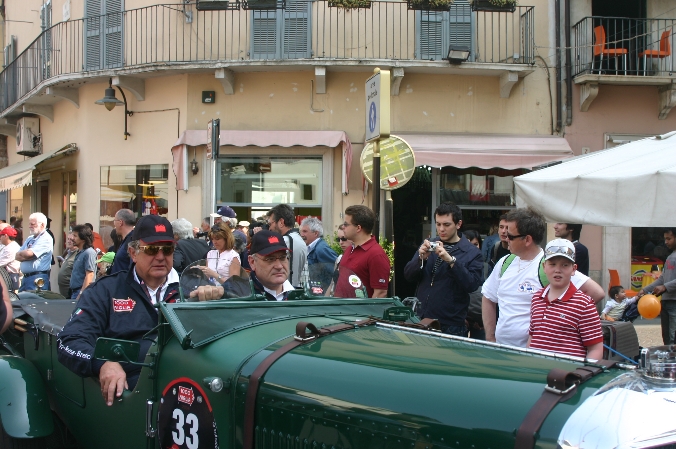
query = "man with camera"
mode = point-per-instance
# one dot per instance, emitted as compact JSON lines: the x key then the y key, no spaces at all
{"x":447,"y":269}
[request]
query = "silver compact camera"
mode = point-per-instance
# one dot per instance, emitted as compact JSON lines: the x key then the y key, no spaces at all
{"x":433,"y":246}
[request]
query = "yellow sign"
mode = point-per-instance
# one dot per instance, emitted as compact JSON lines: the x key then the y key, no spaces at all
{"x":397,"y":162}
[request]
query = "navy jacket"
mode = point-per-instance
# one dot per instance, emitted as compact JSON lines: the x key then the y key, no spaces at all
{"x":95,"y":316}
{"x":447,"y":298}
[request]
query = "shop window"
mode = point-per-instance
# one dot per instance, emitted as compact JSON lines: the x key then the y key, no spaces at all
{"x":251,"y":185}
{"x":140,"y":188}
{"x":478,"y":189}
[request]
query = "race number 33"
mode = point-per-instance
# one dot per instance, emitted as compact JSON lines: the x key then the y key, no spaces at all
{"x":186,"y":420}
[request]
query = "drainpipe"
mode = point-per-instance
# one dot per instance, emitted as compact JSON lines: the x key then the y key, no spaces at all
{"x":569,"y":67}
{"x":557,"y":19}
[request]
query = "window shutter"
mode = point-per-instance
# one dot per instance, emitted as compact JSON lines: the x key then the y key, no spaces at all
{"x":46,"y":53}
{"x":432,"y":34}
{"x":264,"y":34}
{"x":461,"y":26}
{"x":296,"y":29}
{"x":113,"y":37}
{"x":92,"y":35}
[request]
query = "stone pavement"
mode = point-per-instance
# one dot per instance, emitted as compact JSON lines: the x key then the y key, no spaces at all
{"x":649,"y":332}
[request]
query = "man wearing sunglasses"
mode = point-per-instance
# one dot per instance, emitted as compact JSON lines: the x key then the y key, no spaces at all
{"x":512,"y":288}
{"x":122,"y":306}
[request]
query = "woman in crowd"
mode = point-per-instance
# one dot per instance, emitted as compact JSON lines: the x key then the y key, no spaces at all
{"x":223,"y":261}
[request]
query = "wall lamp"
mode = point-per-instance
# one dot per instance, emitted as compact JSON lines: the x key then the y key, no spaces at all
{"x":193,"y":164}
{"x":110,"y":101}
{"x":458,"y":55}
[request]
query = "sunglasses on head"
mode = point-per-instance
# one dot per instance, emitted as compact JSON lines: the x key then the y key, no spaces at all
{"x":341,"y":239}
{"x":562,"y":250}
{"x":152,"y":250}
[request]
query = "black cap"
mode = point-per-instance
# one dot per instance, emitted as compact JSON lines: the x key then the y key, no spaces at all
{"x":266,"y":242}
{"x":153,"y":229}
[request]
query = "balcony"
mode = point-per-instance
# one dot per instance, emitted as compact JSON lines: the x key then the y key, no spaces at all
{"x":620,"y":51}
{"x":304,"y":34}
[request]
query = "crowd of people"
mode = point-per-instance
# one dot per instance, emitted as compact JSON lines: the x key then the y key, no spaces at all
{"x":507,"y":290}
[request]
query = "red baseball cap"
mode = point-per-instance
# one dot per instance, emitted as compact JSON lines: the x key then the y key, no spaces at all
{"x":9,"y":231}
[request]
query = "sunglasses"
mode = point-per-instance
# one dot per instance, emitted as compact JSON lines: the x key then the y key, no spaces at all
{"x":152,"y":250}
{"x":562,"y":250}
{"x":511,"y":237}
{"x":341,"y":239}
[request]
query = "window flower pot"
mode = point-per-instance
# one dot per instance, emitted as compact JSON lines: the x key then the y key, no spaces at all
{"x":429,"y":5}
{"x":350,"y":4}
{"x":263,"y":4}
{"x":494,"y":5}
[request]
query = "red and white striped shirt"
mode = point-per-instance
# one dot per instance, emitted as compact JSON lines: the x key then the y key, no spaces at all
{"x":566,"y":325}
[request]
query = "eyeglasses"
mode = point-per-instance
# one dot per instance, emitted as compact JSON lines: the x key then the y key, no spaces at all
{"x":346,"y":224}
{"x":562,"y":250}
{"x":272,"y":259}
{"x":341,"y":239}
{"x":511,"y":237}
{"x":152,"y":250}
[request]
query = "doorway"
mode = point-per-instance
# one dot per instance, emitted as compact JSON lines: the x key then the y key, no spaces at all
{"x":625,"y":27}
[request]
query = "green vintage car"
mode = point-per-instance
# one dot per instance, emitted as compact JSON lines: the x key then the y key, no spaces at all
{"x":313,"y":372}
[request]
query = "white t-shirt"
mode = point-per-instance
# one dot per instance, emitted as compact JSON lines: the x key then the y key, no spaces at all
{"x":220,"y":262}
{"x":514,"y":292}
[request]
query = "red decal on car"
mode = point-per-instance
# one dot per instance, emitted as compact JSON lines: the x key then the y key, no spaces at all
{"x":186,"y":395}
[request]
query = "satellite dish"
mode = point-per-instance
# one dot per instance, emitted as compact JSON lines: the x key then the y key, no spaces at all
{"x":397,"y":162}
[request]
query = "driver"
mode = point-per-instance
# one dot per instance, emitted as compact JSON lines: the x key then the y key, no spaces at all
{"x":269,"y":260}
{"x":122,"y":306}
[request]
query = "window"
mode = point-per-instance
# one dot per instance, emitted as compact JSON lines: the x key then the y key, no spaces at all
{"x":262,"y":182}
{"x":437,"y":30}
{"x":141,"y":188}
{"x":282,"y":33}
{"x":481,"y":190}
{"x":103,"y":34}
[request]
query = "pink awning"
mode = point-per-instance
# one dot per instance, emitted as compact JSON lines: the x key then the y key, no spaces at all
{"x":243,"y":138}
{"x":506,"y":151}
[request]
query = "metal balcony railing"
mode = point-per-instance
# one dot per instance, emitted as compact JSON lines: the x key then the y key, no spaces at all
{"x":161,"y":36}
{"x":618,"y":46}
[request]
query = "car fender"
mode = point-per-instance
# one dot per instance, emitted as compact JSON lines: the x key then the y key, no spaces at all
{"x":24,"y":405}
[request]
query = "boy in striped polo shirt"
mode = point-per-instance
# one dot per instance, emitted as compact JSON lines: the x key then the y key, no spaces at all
{"x":562,"y":318}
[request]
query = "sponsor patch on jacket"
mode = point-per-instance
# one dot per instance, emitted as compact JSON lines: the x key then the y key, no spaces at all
{"x":123,"y":305}
{"x":78,"y":311}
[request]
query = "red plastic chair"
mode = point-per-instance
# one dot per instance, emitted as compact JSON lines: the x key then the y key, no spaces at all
{"x":601,"y":50}
{"x":663,"y":52}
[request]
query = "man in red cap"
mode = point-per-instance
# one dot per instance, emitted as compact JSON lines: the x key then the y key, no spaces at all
{"x":122,"y":306}
{"x":8,"y":254}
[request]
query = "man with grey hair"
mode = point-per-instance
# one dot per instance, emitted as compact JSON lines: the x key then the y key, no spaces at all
{"x":35,"y":254}
{"x":124,"y":223}
{"x":320,"y":256}
{"x":188,"y":249}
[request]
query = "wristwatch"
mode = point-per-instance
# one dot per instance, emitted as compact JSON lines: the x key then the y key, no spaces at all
{"x":452,"y":261}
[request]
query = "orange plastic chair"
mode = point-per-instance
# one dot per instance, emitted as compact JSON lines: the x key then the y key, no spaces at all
{"x":663,"y":52}
{"x":601,"y":50}
{"x":615,"y":280}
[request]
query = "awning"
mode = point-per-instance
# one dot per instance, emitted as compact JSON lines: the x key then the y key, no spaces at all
{"x":506,"y":151}
{"x":21,"y":173}
{"x":243,"y":138}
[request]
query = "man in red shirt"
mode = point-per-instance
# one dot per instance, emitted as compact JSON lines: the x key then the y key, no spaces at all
{"x":366,"y":259}
{"x":562,"y":318}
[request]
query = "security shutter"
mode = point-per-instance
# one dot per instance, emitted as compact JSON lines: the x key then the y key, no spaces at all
{"x":113,"y":10}
{"x":282,"y":33}
{"x":103,"y":34}
{"x":432,"y":34}
{"x":437,"y":30}
{"x":296,"y":29}
{"x":46,"y":40}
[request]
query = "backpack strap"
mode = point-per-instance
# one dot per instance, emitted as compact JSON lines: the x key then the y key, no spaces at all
{"x":508,"y":261}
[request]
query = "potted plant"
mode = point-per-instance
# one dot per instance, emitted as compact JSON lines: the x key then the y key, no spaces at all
{"x":493,"y":5}
{"x":350,"y":4}
{"x":429,"y":5}
{"x":263,"y":4}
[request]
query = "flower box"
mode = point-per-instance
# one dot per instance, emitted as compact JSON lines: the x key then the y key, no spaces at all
{"x":494,"y":5}
{"x":263,"y":4}
{"x":429,"y":5}
{"x":350,"y":4}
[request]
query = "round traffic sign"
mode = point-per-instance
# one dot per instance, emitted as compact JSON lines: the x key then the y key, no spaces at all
{"x":397,"y":162}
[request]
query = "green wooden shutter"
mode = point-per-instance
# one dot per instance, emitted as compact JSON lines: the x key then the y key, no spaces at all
{"x":432,"y":34}
{"x":46,"y":41}
{"x":461,"y":26}
{"x":92,"y":35}
{"x":264,"y":33}
{"x":296,"y":28}
{"x":113,"y":37}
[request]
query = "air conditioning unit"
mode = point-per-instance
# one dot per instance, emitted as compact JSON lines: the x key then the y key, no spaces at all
{"x":28,"y":139}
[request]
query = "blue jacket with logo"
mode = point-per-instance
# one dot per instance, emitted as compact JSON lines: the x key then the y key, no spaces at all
{"x":95,"y":316}
{"x":447,"y":298}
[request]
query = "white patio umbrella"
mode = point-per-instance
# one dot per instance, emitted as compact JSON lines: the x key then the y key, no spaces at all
{"x":631,"y":185}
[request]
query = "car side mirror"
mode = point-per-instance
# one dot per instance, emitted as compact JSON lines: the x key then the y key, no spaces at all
{"x":114,"y":350}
